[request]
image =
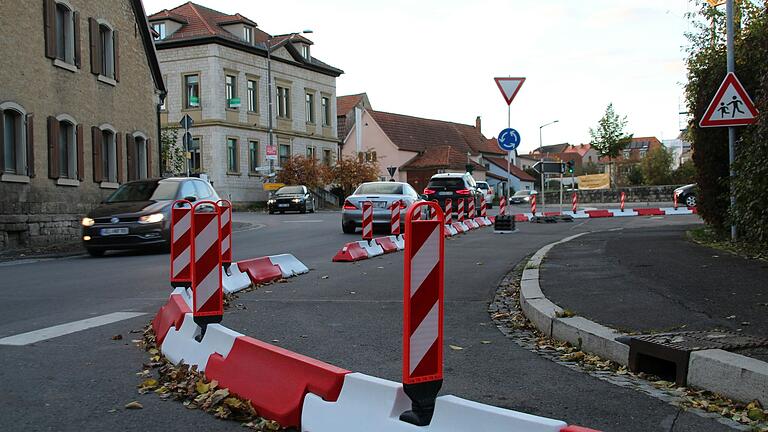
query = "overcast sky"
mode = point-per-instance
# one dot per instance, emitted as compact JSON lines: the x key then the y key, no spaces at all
{"x":437,"y":58}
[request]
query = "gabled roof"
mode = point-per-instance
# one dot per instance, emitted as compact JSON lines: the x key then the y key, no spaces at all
{"x":446,"y":157}
{"x":491,"y":145}
{"x":554,"y":148}
{"x":419,"y":134}
{"x":515,"y":171}
{"x":344,"y":104}
{"x":581,"y":149}
{"x":149,"y":46}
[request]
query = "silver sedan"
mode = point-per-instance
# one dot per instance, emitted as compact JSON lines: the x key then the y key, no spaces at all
{"x":381,"y":195}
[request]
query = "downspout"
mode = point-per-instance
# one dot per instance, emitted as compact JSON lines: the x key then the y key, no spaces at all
{"x":161,"y":165}
{"x":358,"y":129}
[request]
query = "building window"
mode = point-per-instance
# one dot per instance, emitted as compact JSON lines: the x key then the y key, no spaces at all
{"x":108,"y":157}
{"x":67,"y":150}
{"x":283,"y":102}
{"x":232,"y":165}
{"x":643,"y":153}
{"x":230,"y":88}
{"x":253,"y":157}
{"x":311,"y":152}
{"x":160,"y":29}
{"x":310,"y":107}
{"x":305,"y":51}
{"x":327,"y":157}
{"x":107,"y":42}
{"x":284,"y":154}
{"x":65,"y":35}
{"x":326,"y":111}
{"x":141,"y":157}
{"x":195,"y":164}
{"x":248,"y":34}
{"x":14,"y":142}
{"x":253,"y":96}
{"x":626,"y":154}
{"x":191,"y":91}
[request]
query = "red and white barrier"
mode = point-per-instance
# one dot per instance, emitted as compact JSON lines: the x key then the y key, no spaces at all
{"x":471,"y":208}
{"x":448,"y":211}
{"x":206,"y":263}
{"x":394,"y":219}
{"x":622,"y":198}
{"x":232,"y":279}
{"x":367,"y":220}
{"x":533,"y":204}
{"x":181,"y":244}
{"x":575,"y":203}
{"x":460,"y":210}
{"x":503,"y":206}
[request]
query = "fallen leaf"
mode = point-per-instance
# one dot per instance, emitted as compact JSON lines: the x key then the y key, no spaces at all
{"x":324,"y":277}
{"x":485,"y":342}
{"x":112,"y":410}
{"x":202,"y":387}
{"x":455,"y":347}
{"x":134,"y":405}
{"x":117,"y":337}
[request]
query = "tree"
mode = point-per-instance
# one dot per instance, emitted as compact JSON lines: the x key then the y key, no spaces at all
{"x":349,"y":172}
{"x":657,"y":166}
{"x":635,"y":176}
{"x":173,"y":156}
{"x":685,"y":173}
{"x":609,"y":138}
{"x":301,"y":170}
{"x":590,"y":168}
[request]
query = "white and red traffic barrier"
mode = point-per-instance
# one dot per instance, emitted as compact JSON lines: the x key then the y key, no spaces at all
{"x":394,"y":219}
{"x":367,"y":220}
{"x":674,"y":199}
{"x":575,"y":203}
{"x":181,"y":244}
{"x":460,"y":210}
{"x":448,"y":211}
{"x":503,"y":206}
{"x":232,"y":279}
{"x":471,"y":208}
{"x":622,"y":199}
{"x":206,"y":264}
{"x":533,"y":204}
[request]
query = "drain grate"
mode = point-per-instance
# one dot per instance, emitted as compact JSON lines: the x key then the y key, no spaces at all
{"x":667,"y":354}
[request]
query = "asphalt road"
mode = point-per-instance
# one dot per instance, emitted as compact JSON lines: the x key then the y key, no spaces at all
{"x":351,"y":319}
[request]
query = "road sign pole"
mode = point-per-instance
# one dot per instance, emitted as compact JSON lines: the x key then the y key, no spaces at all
{"x":186,"y":149}
{"x":731,"y":130}
{"x":509,"y":154}
{"x":561,"y":193}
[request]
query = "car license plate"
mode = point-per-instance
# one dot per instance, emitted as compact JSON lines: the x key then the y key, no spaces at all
{"x":283,"y":205}
{"x":445,"y":193}
{"x":114,"y":231}
{"x":379,"y":204}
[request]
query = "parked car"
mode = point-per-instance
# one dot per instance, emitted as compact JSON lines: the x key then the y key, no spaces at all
{"x":522,"y":197}
{"x":138,"y":214}
{"x":454,"y":186}
{"x":487,"y":191}
{"x":291,"y":198}
{"x":382,"y":195}
{"x":686,"y":195}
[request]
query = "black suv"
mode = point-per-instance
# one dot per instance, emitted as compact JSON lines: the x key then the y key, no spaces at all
{"x":454,"y":186}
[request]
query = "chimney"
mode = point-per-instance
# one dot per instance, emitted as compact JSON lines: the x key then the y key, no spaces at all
{"x":477,"y":124}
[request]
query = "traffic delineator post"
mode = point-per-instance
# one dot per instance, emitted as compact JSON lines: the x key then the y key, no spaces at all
{"x":181,"y":244}
{"x":225,"y":232}
{"x":533,"y":204}
{"x":423,"y":314}
{"x":448,"y":211}
{"x":207,"y":291}
{"x":367,"y":220}
{"x":483,"y":212}
{"x":623,"y":198}
{"x":432,"y":211}
{"x":503,"y":206}
{"x":460,"y":210}
{"x":394,"y":219}
{"x":674,"y":199}
{"x":574,"y":202}
{"x":471,"y":208}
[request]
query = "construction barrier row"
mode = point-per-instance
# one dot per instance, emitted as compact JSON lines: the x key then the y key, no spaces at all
{"x":604,"y":213}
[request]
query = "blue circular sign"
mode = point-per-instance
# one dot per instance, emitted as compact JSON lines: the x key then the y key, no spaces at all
{"x":509,"y":139}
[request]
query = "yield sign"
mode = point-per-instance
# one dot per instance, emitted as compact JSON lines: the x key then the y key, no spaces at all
{"x":509,"y":87}
{"x":731,"y":105}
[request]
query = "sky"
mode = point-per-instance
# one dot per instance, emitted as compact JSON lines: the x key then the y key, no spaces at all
{"x":437,"y":58}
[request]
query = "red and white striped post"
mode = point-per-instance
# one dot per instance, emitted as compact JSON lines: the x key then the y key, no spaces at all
{"x":207,"y":292}
{"x":460,"y":212}
{"x":432,"y":211}
{"x":181,"y":244}
{"x":225,"y":232}
{"x":471,"y":208}
{"x":367,"y":220}
{"x":503,"y":206}
{"x":448,"y":211}
{"x":483,"y":212}
{"x":533,"y":204}
{"x":674,"y":199}
{"x":423,"y":314}
{"x":574,"y":202}
{"x":623,"y":199}
{"x":394,"y":220}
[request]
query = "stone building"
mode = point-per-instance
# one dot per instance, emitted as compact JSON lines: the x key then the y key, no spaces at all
{"x":216,"y":69}
{"x":78,"y":112}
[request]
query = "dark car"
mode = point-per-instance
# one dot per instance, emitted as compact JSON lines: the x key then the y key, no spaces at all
{"x":291,"y":198}
{"x":522,"y":197}
{"x":138,"y":214}
{"x":454,"y":186}
{"x":686,"y":195}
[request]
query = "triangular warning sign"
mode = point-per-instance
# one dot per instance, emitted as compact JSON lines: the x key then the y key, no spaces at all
{"x":731,"y":105}
{"x":509,"y":87}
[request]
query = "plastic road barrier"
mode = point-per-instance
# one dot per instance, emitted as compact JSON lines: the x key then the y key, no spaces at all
{"x":181,"y":243}
{"x":432,"y":211}
{"x":483,"y":212}
{"x":207,"y":291}
{"x":350,"y":252}
{"x":460,"y":212}
{"x":388,"y":244}
{"x":423,"y":314}
{"x":367,"y":220}
{"x":471,"y":208}
{"x":503,"y":206}
{"x":533,"y":204}
{"x":674,"y":199}
{"x":260,"y":270}
{"x":395,"y":218}
{"x":225,"y":232}
{"x":574,"y":202}
{"x":623,"y":198}
{"x":448,"y":211}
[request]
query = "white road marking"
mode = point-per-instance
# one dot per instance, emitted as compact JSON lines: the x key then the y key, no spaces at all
{"x":67,"y":328}
{"x":304,"y":221}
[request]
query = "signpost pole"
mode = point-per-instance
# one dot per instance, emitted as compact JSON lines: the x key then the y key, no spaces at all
{"x":731,"y":130}
{"x":186,"y":148}
{"x":509,"y":154}
{"x":561,"y":193}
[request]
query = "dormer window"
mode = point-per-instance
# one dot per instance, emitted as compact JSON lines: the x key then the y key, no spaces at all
{"x":160,"y":29}
{"x":305,"y":51}
{"x":248,"y":34}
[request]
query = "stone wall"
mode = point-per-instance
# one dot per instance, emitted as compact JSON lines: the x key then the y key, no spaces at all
{"x":633,"y":194}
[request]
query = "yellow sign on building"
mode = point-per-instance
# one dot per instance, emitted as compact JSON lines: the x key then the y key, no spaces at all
{"x":273,"y":186}
{"x":594,"y":181}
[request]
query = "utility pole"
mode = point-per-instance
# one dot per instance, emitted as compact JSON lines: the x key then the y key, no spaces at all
{"x":541,"y":156}
{"x":731,"y":130}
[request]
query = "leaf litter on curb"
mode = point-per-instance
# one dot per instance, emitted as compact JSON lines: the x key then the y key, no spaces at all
{"x":193,"y":389}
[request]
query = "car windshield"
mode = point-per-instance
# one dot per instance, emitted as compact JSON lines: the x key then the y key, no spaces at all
{"x":380,"y":188}
{"x":521,"y":193}
{"x":452,"y":183}
{"x":290,"y":190}
{"x":144,"y":191}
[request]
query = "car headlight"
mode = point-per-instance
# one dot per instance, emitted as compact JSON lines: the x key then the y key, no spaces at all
{"x":527,"y":198}
{"x":153,"y":218}
{"x":270,"y":201}
{"x":297,"y":200}
{"x":86,"y":222}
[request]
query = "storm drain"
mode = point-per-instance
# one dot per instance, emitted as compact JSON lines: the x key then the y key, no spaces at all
{"x":666,"y":355}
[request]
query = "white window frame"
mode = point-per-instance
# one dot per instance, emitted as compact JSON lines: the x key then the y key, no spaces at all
{"x":20,"y":141}
{"x":159,"y":27}
{"x":325,"y":107}
{"x":283,"y":102}
{"x":186,"y":103}
{"x":309,"y":106}
{"x":110,"y":155}
{"x":70,"y":171}
{"x":230,"y":89}
{"x":252,"y":95}
{"x":235,"y":153}
{"x":248,"y":34}
{"x":305,"y":52}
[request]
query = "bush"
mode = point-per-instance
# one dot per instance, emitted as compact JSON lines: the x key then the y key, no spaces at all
{"x":685,"y":173}
{"x":635,"y":176}
{"x":657,"y":166}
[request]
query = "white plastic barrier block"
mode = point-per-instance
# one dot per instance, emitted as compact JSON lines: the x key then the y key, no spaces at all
{"x":289,"y":265}
{"x":577,"y":215}
{"x":619,"y":213}
{"x":399,"y":241}
{"x":679,"y":211}
{"x":374,"y":405}
{"x":372,"y":249}
{"x":487,"y":221}
{"x":452,"y":230}
{"x":181,"y":345}
{"x":234,"y":281}
{"x":185,"y":293}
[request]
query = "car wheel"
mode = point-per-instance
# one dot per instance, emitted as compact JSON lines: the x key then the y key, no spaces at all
{"x":348,"y":228}
{"x":96,"y":253}
{"x":690,"y":200}
{"x":303,"y":209}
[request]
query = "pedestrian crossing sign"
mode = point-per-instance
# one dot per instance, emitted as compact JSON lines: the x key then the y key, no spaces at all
{"x":731,"y":105}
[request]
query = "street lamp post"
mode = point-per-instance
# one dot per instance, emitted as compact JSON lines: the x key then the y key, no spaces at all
{"x":541,"y":156}
{"x":268,"y":44}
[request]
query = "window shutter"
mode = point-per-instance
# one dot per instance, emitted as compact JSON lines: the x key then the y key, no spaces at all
{"x":49,"y":7}
{"x":2,"y":144}
{"x":119,"y":157}
{"x":76,"y":33}
{"x":80,"y":153}
{"x":30,"y":144}
{"x":149,"y":158}
{"x":53,"y":148}
{"x":116,"y":52}
{"x":130,"y":146}
{"x":98,"y":172}
{"x":95,"y":46}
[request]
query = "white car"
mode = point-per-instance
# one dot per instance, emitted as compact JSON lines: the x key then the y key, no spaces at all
{"x":487,"y":192}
